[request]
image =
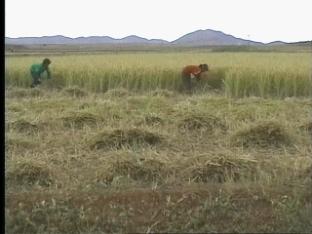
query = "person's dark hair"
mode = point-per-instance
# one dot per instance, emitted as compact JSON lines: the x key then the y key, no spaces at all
{"x":203,"y":67}
{"x":46,"y":61}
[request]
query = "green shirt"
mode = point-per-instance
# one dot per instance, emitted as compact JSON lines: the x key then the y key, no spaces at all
{"x":38,"y":69}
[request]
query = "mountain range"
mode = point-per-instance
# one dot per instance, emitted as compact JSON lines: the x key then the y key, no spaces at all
{"x":206,"y":37}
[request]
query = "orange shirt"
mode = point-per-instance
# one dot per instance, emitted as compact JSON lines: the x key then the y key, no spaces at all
{"x":191,"y":69}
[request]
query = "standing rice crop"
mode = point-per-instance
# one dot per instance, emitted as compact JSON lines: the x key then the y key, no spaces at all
{"x":239,"y":74}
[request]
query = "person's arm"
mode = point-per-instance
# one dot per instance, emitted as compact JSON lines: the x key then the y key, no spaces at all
{"x":198,"y":77}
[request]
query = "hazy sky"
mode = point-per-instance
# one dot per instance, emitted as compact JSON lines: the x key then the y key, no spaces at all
{"x":258,"y":20}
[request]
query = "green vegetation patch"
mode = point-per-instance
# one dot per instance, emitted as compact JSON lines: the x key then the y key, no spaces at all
{"x":119,"y":138}
{"x":263,"y":134}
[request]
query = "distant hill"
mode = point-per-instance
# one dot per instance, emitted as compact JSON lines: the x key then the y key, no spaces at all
{"x":39,"y":40}
{"x":211,"y":37}
{"x":274,"y":43}
{"x":301,"y":43}
{"x":81,"y":40}
{"x":139,"y":40}
{"x":206,"y":37}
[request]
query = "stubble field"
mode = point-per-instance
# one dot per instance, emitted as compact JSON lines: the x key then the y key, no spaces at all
{"x":111,"y":144}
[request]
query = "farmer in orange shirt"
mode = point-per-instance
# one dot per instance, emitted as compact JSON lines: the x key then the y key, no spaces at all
{"x":190,"y":72}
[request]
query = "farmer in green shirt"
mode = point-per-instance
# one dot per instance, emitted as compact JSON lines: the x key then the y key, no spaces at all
{"x":37,"y":69}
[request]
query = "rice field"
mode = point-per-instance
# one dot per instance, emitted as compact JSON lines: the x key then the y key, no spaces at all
{"x":236,"y":74}
{"x":111,"y":144}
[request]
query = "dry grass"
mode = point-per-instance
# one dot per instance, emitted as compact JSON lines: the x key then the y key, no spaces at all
{"x":29,"y":172}
{"x":80,"y":119}
{"x":119,"y":138}
{"x":24,"y":93}
{"x":22,"y":125}
{"x":176,"y":172}
{"x":118,"y":92}
{"x":12,"y":143}
{"x":307,"y":127}
{"x":202,"y":122}
{"x":128,"y":165}
{"x":222,"y":168}
{"x":162,"y":92}
{"x":307,"y":173}
{"x":262,"y":134}
{"x":152,"y":119}
{"x":75,"y":91}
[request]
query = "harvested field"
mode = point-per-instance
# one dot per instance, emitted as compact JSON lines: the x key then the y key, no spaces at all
{"x":112,"y":145}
